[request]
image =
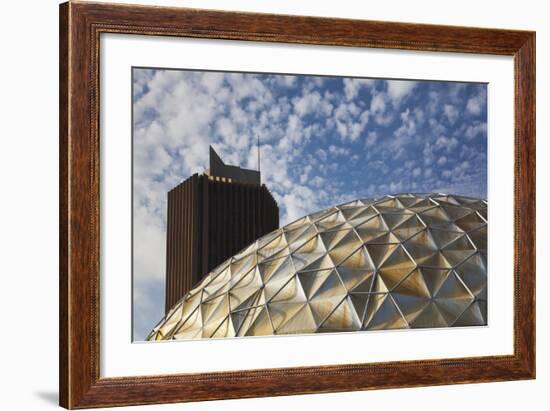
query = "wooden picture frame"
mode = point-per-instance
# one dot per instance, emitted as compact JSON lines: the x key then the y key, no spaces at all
{"x":80,"y":27}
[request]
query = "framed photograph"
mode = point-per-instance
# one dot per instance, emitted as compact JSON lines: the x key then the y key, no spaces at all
{"x":258,"y":205}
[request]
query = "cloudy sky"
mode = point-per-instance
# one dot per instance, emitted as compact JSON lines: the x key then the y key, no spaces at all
{"x":324,"y":141}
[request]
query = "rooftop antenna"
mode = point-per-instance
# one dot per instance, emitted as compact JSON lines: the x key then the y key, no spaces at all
{"x":258,"y":139}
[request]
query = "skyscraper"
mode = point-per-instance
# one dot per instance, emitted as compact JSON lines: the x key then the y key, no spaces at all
{"x":210,"y":217}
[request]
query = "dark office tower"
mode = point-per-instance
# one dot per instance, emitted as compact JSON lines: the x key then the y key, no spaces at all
{"x":211,"y":217}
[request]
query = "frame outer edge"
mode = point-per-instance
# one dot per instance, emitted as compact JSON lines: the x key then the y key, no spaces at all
{"x":79,"y":203}
{"x":80,"y":382}
{"x":64,"y":103}
{"x":526,"y":201}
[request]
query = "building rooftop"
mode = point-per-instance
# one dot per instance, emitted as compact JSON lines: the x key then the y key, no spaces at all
{"x":219,"y":170}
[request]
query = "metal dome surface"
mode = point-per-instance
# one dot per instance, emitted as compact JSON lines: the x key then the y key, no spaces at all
{"x":398,"y":261}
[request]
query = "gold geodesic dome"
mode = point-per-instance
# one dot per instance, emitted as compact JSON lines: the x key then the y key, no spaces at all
{"x":399,"y":261}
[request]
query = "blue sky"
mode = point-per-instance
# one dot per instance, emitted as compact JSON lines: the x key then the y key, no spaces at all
{"x":324,"y":141}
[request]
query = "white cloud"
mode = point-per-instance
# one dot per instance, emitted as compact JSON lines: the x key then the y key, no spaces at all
{"x":296,"y":132}
{"x":298,"y":202}
{"x":322,"y":154}
{"x":244,"y":86}
{"x":409,"y":164}
{"x":285,"y":81}
{"x":378,"y":103}
{"x":428,"y":153}
{"x":451,"y":113}
{"x":396,"y":186}
{"x":477,"y":103}
{"x":398,"y":89}
{"x":371,"y":138}
{"x":378,"y":108}
{"x":436,"y":127}
{"x":317,"y":182}
{"x":149,"y":244}
{"x":339,"y":151}
{"x":404,"y":134}
{"x":352,"y":86}
{"x":310,"y":103}
{"x":350,"y":121}
{"x":305,"y":174}
{"x":477,"y":129}
{"x":434,"y":103}
{"x":445,"y":143}
{"x":212,"y":82}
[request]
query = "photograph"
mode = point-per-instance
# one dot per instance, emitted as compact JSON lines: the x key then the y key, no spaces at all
{"x":269,"y":204}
